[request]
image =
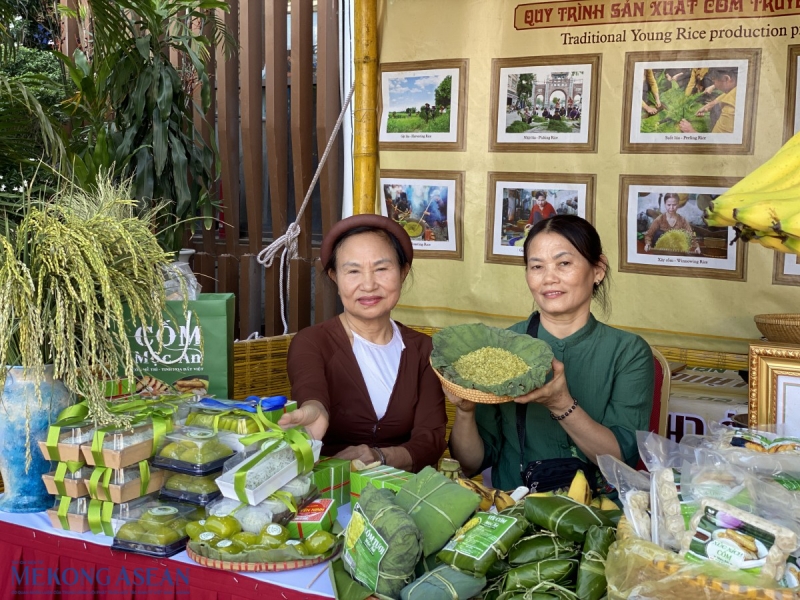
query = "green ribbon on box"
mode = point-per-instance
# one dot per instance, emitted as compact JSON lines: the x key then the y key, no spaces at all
{"x":63,"y":509}
{"x":299,"y":442}
{"x":72,"y":415}
{"x":287,"y":499}
{"x":100,"y":517}
{"x":161,"y":418}
{"x":61,"y":473}
{"x":144,"y":476}
{"x":94,"y":480}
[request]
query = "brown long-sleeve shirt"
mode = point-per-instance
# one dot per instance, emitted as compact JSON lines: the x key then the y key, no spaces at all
{"x":660,"y":223}
{"x":322,"y":367}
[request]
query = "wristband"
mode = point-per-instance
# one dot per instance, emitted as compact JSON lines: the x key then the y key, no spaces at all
{"x":381,"y":455}
{"x":566,"y":414}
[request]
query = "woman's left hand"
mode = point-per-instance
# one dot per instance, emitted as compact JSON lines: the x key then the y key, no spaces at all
{"x":363,"y":453}
{"x":554,"y":395}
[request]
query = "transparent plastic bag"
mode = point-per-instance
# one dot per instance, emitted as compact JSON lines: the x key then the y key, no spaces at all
{"x":633,"y":488}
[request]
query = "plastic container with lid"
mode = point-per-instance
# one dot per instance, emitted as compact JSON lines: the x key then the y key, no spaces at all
{"x":63,"y":443}
{"x":153,"y":528}
{"x":234,"y":420}
{"x":68,"y":479}
{"x":70,"y":514}
{"x":118,"y":448}
{"x":124,"y":485}
{"x":265,"y":477}
{"x":192,"y":451}
{"x":194,"y":489}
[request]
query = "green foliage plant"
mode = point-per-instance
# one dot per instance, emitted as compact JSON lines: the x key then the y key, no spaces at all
{"x":68,"y":267}
{"x":134,"y":111}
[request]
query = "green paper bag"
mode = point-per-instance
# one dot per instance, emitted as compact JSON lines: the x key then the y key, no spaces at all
{"x":195,"y":349}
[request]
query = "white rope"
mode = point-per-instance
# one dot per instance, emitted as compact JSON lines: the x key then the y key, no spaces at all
{"x":287,"y":243}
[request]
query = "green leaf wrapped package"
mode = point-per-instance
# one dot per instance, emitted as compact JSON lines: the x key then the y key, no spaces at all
{"x":481,"y":541}
{"x":591,"y":583}
{"x":564,"y":516}
{"x":382,"y":543}
{"x":452,"y":343}
{"x":344,"y":587}
{"x":539,"y":546}
{"x":498,"y":569}
{"x":555,"y":570}
{"x":438,"y":505}
{"x":443,"y":583}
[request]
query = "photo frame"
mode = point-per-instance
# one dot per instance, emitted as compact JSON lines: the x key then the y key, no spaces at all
{"x":785,"y":269}
{"x":424,"y":105}
{"x":517,"y":200}
{"x":774,"y":385}
{"x":527,"y":93}
{"x":690,"y":102}
{"x":791,"y":123}
{"x":655,"y":243}
{"x":430,"y":206}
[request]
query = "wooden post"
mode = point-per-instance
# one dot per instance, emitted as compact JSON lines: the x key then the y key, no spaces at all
{"x":365,"y":112}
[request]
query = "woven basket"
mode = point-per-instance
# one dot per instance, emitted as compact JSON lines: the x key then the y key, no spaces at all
{"x":779,"y":327}
{"x":259,"y":367}
{"x":471,"y":395}
{"x":226,"y":565}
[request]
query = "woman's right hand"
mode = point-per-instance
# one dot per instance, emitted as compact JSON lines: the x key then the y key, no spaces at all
{"x":312,"y":415}
{"x":465,"y":406}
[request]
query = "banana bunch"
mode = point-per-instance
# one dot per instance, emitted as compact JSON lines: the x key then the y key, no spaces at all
{"x":764,"y":207}
{"x":580,"y":491}
{"x":489,"y":496}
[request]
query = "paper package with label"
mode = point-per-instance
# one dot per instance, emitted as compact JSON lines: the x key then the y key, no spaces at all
{"x":319,"y":515}
{"x":332,"y":478}
{"x":384,"y":477}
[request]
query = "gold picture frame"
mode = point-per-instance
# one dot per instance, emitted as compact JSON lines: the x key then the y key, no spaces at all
{"x":712,"y":256}
{"x":557,"y":188}
{"x":779,"y":274}
{"x":417,"y":80}
{"x":791,"y":116}
{"x":639,"y":139}
{"x":774,"y":376}
{"x":433,"y":194}
{"x":560,"y":77}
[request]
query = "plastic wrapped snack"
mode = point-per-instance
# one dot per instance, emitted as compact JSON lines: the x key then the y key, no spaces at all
{"x":633,"y":488}
{"x":153,"y":528}
{"x":192,"y":451}
{"x":236,"y":421}
{"x":299,"y":487}
{"x":67,"y":480}
{"x":670,"y":510}
{"x":252,"y":518}
{"x":70,"y":514}
{"x":63,"y":442}
{"x":739,"y":540}
{"x":194,"y":489}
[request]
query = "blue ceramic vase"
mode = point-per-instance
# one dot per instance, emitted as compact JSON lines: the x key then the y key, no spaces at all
{"x":24,"y":489}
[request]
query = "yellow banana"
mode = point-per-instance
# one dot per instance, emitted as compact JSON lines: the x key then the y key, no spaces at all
{"x":607,"y":504}
{"x":714,"y":219}
{"x":486,"y":495}
{"x":792,"y":245}
{"x":789,"y":224}
{"x":727,"y":206}
{"x":764,"y":216}
{"x":579,"y":489}
{"x":596,"y":502}
{"x":774,"y":174}
{"x":503,"y":500}
{"x":540,"y":494}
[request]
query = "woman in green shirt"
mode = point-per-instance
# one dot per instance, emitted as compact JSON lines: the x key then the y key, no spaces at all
{"x":600,"y":391}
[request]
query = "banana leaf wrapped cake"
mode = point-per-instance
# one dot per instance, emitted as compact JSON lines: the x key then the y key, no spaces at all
{"x":487,"y":364}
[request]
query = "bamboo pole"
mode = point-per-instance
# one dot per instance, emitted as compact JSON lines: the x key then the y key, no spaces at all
{"x":365,"y":111}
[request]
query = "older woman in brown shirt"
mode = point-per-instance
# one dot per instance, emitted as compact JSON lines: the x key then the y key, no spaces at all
{"x":363,"y":382}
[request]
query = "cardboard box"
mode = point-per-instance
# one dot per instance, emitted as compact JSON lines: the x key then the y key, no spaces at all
{"x":319,"y":515}
{"x":125,"y":492}
{"x":381,"y":477}
{"x":332,"y":478}
{"x":275,"y":415}
{"x":121,"y":448}
{"x":74,"y":484}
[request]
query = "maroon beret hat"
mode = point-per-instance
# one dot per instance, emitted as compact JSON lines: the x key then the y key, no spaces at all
{"x":377,"y":221}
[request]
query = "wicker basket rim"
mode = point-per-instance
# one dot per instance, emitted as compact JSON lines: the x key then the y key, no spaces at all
{"x":227,"y":565}
{"x":778,"y":318}
{"x":468,"y":394}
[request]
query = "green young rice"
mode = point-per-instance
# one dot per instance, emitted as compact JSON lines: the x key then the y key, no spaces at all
{"x":490,"y":366}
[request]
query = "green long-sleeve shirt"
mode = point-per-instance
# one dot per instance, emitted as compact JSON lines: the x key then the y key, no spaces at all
{"x":609,"y":372}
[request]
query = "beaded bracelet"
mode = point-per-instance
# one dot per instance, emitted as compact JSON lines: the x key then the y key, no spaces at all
{"x":566,"y":414}
{"x":381,"y":455}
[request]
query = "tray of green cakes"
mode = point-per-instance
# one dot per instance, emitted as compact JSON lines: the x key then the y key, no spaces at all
{"x":154,"y":528}
{"x":192,"y":451}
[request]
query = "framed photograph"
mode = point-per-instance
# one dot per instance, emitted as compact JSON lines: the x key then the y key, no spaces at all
{"x":791,"y":123}
{"x":424,"y":105}
{"x":662,"y":232}
{"x":517,"y":201}
{"x":786,"y":269}
{"x":774,"y":385}
{"x":429,"y":206}
{"x":545,"y":104}
{"x":695,"y":101}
